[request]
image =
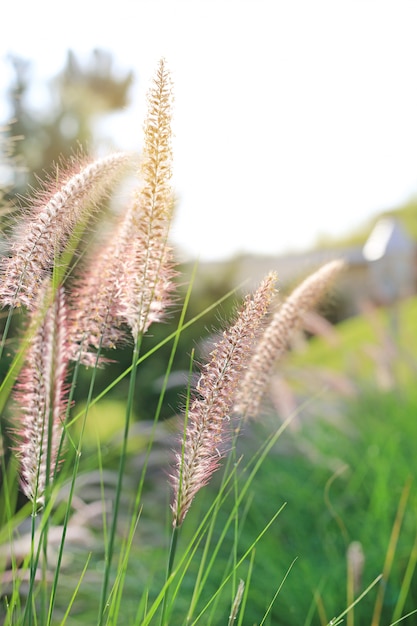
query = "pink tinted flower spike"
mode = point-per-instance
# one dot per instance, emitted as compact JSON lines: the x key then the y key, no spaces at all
{"x":41,"y":395}
{"x":213,"y":400}
{"x":129,"y":280}
{"x":43,"y":234}
{"x":95,"y":315}
{"x":146,"y":286}
{"x":275,"y":340}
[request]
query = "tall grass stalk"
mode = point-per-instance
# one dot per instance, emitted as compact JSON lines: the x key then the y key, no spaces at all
{"x":406,"y":583}
{"x":389,"y":557}
{"x":177,"y":336}
{"x":176,"y":529}
{"x":75,"y":471}
{"x":119,"y":486}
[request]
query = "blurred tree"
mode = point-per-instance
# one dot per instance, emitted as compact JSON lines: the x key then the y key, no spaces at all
{"x":78,"y":94}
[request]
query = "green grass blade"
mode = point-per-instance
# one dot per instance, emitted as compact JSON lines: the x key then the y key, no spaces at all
{"x":241,"y":560}
{"x":339,"y":619}
{"x":74,"y":595}
{"x":271,"y":604}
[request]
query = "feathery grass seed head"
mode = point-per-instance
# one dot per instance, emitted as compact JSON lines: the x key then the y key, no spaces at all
{"x":95,"y":314}
{"x":211,"y":405}
{"x":43,"y":234}
{"x":130,"y":280}
{"x":146,"y":285}
{"x":275,"y":339}
{"x":41,"y":395}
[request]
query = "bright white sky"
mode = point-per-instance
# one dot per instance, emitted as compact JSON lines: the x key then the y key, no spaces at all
{"x":291,"y":118}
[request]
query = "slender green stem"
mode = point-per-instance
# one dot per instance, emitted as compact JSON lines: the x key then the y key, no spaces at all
{"x":406,"y":582}
{"x":64,"y":533}
{"x":389,"y":557}
{"x":74,"y":595}
{"x":175,"y":531}
{"x":339,"y":619}
{"x":171,"y":558}
{"x":123,"y":455}
{"x":247,"y":587}
{"x":198,"y":587}
{"x":172,"y":550}
{"x":71,"y":493}
{"x":32,"y":569}
{"x":268,"y":610}
{"x":137,"y":505}
{"x":45,"y":529}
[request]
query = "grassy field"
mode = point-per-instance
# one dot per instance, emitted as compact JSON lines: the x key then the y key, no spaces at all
{"x":331,"y":507}
{"x":347,"y":473}
{"x":344,"y":472}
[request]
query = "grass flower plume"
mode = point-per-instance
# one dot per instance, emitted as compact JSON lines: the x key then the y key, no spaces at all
{"x":129,"y":280}
{"x":146,"y":280}
{"x":277,"y":334}
{"x":41,"y":396}
{"x":44,"y":232}
{"x":209,"y":412}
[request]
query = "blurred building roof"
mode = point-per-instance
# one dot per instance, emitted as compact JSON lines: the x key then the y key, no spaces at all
{"x":388,"y":237}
